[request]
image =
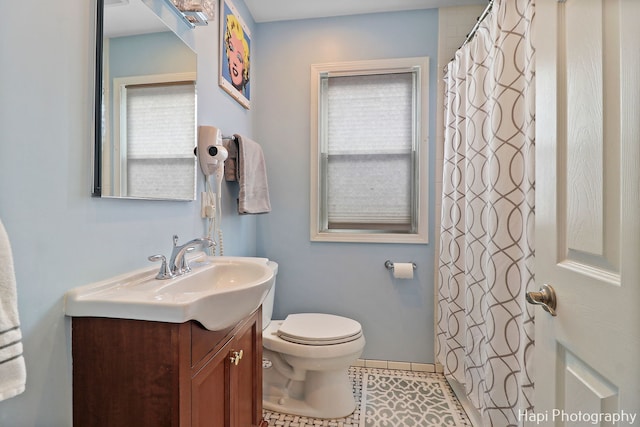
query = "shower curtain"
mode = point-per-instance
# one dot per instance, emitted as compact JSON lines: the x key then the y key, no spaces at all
{"x":484,"y":326}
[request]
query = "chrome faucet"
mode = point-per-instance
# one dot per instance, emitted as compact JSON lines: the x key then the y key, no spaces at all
{"x":178,"y":264}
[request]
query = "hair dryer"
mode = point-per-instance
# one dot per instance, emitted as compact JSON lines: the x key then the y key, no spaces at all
{"x":211,"y":153}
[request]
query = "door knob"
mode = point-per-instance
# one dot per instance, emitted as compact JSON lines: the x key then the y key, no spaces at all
{"x":546,"y":297}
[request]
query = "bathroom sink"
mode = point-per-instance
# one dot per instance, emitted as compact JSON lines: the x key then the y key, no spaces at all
{"x":218,"y":293}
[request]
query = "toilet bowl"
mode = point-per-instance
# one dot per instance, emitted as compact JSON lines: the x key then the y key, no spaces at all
{"x":306,"y":361}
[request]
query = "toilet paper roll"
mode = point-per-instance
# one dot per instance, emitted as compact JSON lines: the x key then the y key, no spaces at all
{"x":403,"y":270}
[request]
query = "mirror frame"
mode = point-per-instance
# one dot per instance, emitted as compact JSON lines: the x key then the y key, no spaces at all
{"x":96,"y":170}
{"x":182,"y":28}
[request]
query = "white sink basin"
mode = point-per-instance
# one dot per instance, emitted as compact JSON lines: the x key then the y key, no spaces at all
{"x":219,"y":292}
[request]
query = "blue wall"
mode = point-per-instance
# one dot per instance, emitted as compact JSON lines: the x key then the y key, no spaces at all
{"x":61,"y":237}
{"x":342,"y":278}
{"x":155,"y":53}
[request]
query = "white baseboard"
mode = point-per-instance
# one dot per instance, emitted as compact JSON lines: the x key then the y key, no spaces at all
{"x":389,"y":364}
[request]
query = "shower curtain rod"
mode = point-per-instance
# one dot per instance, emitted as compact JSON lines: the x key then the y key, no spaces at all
{"x":472,"y":33}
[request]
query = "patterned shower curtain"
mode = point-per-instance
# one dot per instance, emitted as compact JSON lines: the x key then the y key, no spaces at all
{"x":484,"y":326}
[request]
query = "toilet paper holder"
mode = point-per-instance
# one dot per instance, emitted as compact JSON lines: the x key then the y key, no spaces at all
{"x":389,"y":265}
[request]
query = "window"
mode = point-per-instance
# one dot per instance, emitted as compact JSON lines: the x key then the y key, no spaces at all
{"x":369,"y":151}
{"x":155,"y":122}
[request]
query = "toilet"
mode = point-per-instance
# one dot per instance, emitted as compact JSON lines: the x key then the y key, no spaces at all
{"x":306,"y":358}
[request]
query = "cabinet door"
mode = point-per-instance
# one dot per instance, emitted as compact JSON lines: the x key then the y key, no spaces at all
{"x":227,"y":390}
{"x":246,"y":374}
{"x":210,"y":402}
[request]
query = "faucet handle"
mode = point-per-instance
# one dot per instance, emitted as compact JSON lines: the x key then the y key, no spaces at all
{"x":184,"y":264}
{"x":165,"y":272}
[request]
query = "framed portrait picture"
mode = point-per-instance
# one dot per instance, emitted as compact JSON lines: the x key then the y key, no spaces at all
{"x":235,"y":54}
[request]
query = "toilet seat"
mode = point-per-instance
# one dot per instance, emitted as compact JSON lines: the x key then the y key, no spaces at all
{"x":319,"y":329}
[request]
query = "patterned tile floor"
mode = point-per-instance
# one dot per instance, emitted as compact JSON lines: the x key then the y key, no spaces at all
{"x":418,"y":399}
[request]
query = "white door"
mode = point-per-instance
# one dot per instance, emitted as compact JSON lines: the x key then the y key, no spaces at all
{"x":587,"y":358}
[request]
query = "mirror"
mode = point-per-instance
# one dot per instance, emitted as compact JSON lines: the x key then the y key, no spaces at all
{"x":145,"y":112}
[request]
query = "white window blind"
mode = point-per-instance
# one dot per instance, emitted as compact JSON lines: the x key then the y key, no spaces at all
{"x":160,"y":130}
{"x":368,"y":151}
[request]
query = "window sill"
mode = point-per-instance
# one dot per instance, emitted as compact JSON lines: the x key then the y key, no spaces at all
{"x":351,"y":237}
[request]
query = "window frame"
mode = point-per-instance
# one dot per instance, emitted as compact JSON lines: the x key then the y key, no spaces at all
{"x":319,"y":231}
{"x":119,"y":147}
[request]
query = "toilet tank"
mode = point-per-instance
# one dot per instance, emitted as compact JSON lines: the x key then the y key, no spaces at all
{"x":267,"y":304}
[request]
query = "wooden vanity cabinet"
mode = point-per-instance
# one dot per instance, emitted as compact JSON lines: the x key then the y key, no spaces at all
{"x":134,"y":373}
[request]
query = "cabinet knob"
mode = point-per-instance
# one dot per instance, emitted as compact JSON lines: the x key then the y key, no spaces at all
{"x":236,"y":356}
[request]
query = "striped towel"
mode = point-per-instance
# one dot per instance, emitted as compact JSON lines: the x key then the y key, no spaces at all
{"x":13,"y":373}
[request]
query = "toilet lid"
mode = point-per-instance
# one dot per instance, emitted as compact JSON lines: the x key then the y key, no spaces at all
{"x":319,"y":329}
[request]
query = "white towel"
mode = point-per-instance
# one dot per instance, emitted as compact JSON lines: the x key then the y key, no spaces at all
{"x":251,"y":170}
{"x":13,"y":373}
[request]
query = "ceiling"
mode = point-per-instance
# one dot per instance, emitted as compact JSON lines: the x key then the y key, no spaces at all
{"x":124,"y":17}
{"x":282,"y":10}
